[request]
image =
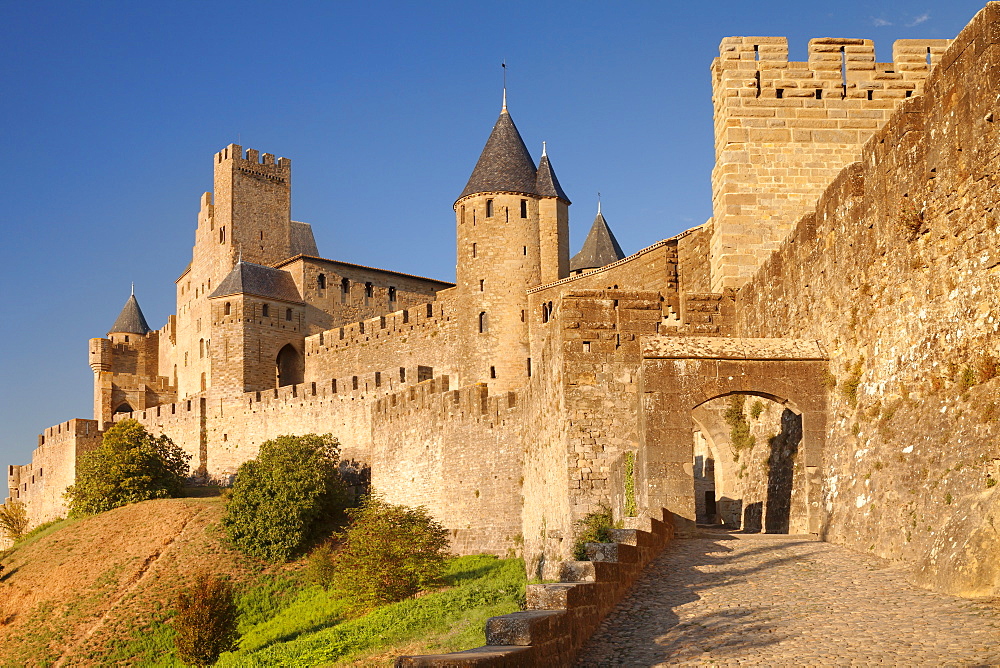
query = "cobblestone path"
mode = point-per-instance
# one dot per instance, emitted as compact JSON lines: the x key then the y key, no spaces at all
{"x":739,"y":600}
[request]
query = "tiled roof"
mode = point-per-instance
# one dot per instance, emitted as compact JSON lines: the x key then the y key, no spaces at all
{"x":546,"y":183}
{"x":599,"y":248}
{"x":130,"y":320}
{"x":256,"y":279}
{"x":505,"y":164}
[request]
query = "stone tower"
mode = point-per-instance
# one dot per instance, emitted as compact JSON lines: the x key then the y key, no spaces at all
{"x":784,"y":130}
{"x":512,"y":220}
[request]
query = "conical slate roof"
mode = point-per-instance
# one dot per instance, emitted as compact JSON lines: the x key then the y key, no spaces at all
{"x":130,"y":320}
{"x":599,"y":248}
{"x":546,"y":183}
{"x":505,"y":164}
{"x":256,"y":279}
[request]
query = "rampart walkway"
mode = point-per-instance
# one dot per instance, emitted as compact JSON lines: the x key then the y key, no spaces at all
{"x":784,"y":601}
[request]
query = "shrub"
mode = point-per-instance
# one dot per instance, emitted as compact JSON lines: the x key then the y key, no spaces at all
{"x":849,"y":389}
{"x":130,"y":465}
{"x":389,"y":553}
{"x":319,"y":568}
{"x":205,"y":623}
{"x":281,"y":499}
{"x":13,"y":519}
{"x":593,"y":528}
{"x":756,"y":409}
{"x":630,"y":506}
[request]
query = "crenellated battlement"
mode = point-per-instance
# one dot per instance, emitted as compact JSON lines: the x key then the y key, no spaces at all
{"x":399,"y":322}
{"x":434,"y":398}
{"x":841,"y":67}
{"x":253,"y":159}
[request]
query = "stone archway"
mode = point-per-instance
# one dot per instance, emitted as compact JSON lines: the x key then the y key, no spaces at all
{"x":679,"y":374}
{"x":288,"y":366}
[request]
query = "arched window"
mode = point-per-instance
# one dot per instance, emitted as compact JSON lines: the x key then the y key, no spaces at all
{"x":483,"y":323}
{"x":345,"y":290}
{"x":222,"y":235}
{"x":489,"y":208}
{"x":545,"y":312}
{"x":265,"y":310}
{"x":201,"y":348}
{"x":229,"y":309}
{"x":392,"y":294}
{"x":321,"y":281}
{"x":288,"y":314}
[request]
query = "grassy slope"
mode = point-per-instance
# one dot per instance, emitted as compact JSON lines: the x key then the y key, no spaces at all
{"x":99,"y":591}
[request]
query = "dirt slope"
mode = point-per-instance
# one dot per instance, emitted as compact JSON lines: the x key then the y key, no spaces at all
{"x":64,"y":595}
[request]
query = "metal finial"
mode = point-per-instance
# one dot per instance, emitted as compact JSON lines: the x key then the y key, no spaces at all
{"x":504,"y":66}
{"x":133,"y":288}
{"x":543,"y":150}
{"x":240,"y":257}
{"x":598,"y":201}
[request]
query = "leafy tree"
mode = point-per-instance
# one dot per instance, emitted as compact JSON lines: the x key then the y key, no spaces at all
{"x":389,"y":553}
{"x":130,"y":465}
{"x":13,"y":519}
{"x":280,"y":500}
{"x":205,"y":623}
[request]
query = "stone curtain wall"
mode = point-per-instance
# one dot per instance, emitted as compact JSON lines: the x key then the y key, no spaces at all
{"x":458,"y":453}
{"x":41,"y":484}
{"x":784,"y":129}
{"x":898,"y":272}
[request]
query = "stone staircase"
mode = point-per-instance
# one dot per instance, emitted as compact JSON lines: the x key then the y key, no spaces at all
{"x":562,"y":616}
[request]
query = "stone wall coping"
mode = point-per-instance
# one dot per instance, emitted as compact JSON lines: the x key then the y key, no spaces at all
{"x":704,"y":347}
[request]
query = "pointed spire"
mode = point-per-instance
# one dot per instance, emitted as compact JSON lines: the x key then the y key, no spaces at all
{"x":546,"y":183}
{"x":505,"y":164}
{"x":600,"y":247}
{"x":130,"y":320}
{"x":504,"y":66}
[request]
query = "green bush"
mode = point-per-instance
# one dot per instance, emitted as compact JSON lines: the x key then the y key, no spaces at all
{"x":389,"y":553}
{"x":205,"y":623}
{"x":281,"y":500}
{"x":13,"y":519}
{"x":130,"y":465}
{"x":319,"y":567}
{"x":630,"y":507}
{"x":740,"y":437}
{"x":593,"y":528}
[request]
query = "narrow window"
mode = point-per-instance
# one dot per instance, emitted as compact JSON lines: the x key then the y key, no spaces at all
{"x":430,"y":310}
{"x":473,"y":250}
{"x":368,"y":292}
{"x":262,"y":235}
{"x":321,"y":338}
{"x":265,"y":310}
{"x":545,"y":313}
{"x":222,"y":235}
{"x":402,"y":374}
{"x":406,"y":316}
{"x":524,"y":208}
{"x":819,"y":93}
{"x":522,"y":315}
{"x":529,"y":367}
{"x":126,"y":338}
{"x":461,"y":217}
{"x":345,"y":290}
{"x":483,"y":325}
{"x":229,"y":309}
{"x":482,"y":283}
{"x":201,"y":348}
{"x":288,"y":314}
{"x":354,"y":382}
{"x":489,"y":208}
{"x":378,"y":379}
{"x":870,"y":91}
{"x":392,"y":295}
{"x":333,"y":385}
{"x":493,"y":372}
{"x":321,"y":281}
{"x":185,"y":359}
{"x":524,"y":250}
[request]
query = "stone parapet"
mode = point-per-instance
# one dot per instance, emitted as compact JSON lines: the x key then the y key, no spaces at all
{"x":562,"y":616}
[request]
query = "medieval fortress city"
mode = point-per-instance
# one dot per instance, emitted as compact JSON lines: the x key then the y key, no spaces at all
{"x":819,"y":357}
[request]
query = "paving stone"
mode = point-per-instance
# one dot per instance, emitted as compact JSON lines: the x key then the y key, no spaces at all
{"x":752,"y":600}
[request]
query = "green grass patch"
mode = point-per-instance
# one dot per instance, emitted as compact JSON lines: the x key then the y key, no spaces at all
{"x":286,"y":622}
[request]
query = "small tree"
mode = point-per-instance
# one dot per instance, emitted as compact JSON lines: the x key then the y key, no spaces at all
{"x":389,"y":553}
{"x":205,"y":623}
{"x":13,"y":519}
{"x":280,"y":500}
{"x":130,"y":465}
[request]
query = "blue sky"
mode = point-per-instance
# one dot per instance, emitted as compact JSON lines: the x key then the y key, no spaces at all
{"x":110,"y":113}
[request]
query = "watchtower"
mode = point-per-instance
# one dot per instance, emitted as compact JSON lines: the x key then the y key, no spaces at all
{"x":512,"y":230}
{"x":783,"y":130}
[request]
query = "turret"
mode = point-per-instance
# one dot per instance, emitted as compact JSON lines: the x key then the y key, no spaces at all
{"x":499,"y":255}
{"x":553,"y":222}
{"x":600,"y":248}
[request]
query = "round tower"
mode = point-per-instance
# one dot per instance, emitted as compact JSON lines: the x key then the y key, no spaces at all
{"x":500,"y":216}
